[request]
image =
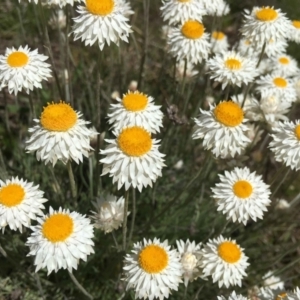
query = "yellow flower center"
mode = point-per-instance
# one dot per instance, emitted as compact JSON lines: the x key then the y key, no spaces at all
{"x":229,"y":113}
{"x":192,"y":29}
{"x":58,"y":117}
{"x":218,"y":35}
{"x":183,"y":1}
{"x":229,"y":252}
{"x":280,"y":82}
{"x":297,"y":131}
{"x":280,"y":296}
{"x":233,"y":64}
{"x":247,"y":42}
{"x":135,"y":101}
{"x":153,"y":259}
{"x":17,"y":59}
{"x":11,"y":195}
{"x":242,"y":189}
{"x":296,"y":24}
{"x":100,"y":7}
{"x":58,"y":227}
{"x":135,"y":141}
{"x":284,"y":60}
{"x":266,"y":14}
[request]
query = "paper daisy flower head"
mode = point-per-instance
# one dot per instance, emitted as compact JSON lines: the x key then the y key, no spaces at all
{"x":133,"y":159}
{"x":242,"y":195}
{"x":222,"y":129}
{"x":60,"y":240}
{"x":286,"y":143}
{"x":135,"y":109}
{"x":225,"y":261}
{"x":274,"y":109}
{"x":217,"y":8}
{"x":295,"y":31}
{"x":20,"y":202}
{"x":251,"y":106}
{"x":189,"y":41}
{"x":188,"y":69}
{"x":276,"y":294}
{"x":60,"y":134}
{"x":233,"y":296}
{"x":230,"y":67}
{"x":272,"y":282}
{"x":152,"y":269}
{"x":102,"y":21}
{"x":109,"y":213}
{"x":245,"y":48}
{"x":273,"y":47}
{"x":295,"y":295}
{"x":179,"y":11}
{"x":22,"y":69}
{"x":218,"y":42}
{"x":265,"y":23}
{"x":285,"y":65}
{"x":190,"y":255}
{"x":277,"y":85}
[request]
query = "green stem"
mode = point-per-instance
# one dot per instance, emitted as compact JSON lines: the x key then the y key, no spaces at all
{"x":249,"y":86}
{"x":124,"y":233}
{"x":133,"y":212}
{"x":72,"y":180}
{"x":186,"y":188}
{"x":146,"y":5}
{"x":80,"y":287}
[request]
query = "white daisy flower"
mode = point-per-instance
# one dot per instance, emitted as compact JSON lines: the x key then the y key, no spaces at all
{"x":190,"y":255}
{"x":126,"y":8}
{"x":295,"y":295}
{"x":60,"y":134}
{"x":135,"y":109}
{"x":272,"y":282}
{"x":102,"y":21}
{"x":242,"y":195}
{"x":267,"y":293}
{"x":152,"y":269}
{"x":251,"y":106}
{"x":189,"y":72}
{"x":230,"y":67}
{"x":222,"y":129}
{"x":282,"y":204}
{"x":274,"y":109}
{"x":264,"y":24}
{"x":60,"y":3}
{"x":23,"y":69}
{"x":109,"y":213}
{"x":273,"y":47}
{"x":297,"y":87}
{"x":132,"y":158}
{"x":20,"y":202}
{"x":285,"y":65}
{"x":60,"y":240}
{"x":58,"y":20}
{"x":189,"y":41}
{"x":225,"y":261}
{"x":219,"y":42}
{"x":216,"y":7}
{"x":179,"y":11}
{"x":233,"y":296}
{"x":276,"y":85}
{"x":245,"y":48}
{"x":295,"y":31}
{"x":286,"y":143}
